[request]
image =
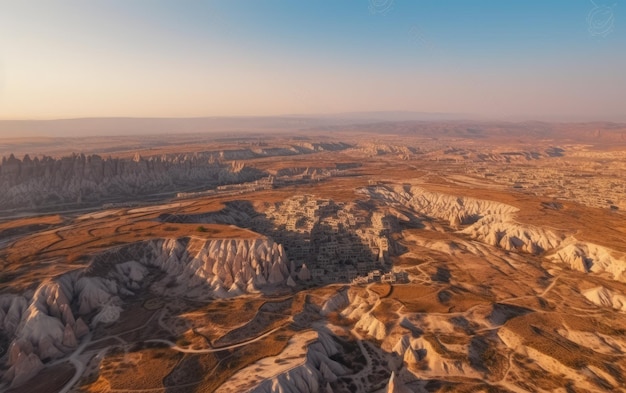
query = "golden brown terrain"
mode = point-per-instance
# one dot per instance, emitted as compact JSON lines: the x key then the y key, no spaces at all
{"x":481,"y":284}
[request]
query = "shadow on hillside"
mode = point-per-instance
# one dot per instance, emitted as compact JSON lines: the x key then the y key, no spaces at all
{"x":301,"y":247}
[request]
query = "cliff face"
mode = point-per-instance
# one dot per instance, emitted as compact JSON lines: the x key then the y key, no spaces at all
{"x":456,"y":210}
{"x":79,"y":178}
{"x":90,"y":178}
{"x":317,"y":370}
{"x":48,"y":323}
{"x":494,"y":223}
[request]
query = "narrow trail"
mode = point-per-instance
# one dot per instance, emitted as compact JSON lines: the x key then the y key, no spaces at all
{"x":175,"y":347}
{"x":78,"y":364}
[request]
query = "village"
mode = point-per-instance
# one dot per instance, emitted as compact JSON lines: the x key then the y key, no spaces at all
{"x":335,"y":242}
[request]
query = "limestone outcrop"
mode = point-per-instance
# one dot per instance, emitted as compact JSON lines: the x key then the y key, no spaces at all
{"x":456,"y":210}
{"x":313,"y":375}
{"x":589,"y":257}
{"x":80,"y":178}
{"x":505,"y":233}
{"x":604,"y":297}
{"x":50,"y":322}
{"x":494,"y":223}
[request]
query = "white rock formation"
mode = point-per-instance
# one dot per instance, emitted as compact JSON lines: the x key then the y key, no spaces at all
{"x":311,"y":376}
{"x":422,"y":359}
{"x":493,"y":223}
{"x":490,"y":222}
{"x":81,"y":328}
{"x":502,"y":231}
{"x":12,"y":308}
{"x":109,"y":313}
{"x":24,"y":368}
{"x":35,"y":182}
{"x":589,"y":257}
{"x":372,"y":326}
{"x":395,"y":386}
{"x":304,"y":274}
{"x":45,"y":325}
{"x":402,"y":345}
{"x":94,"y":292}
{"x":410,"y":357}
{"x":69,"y":337}
{"x":439,"y":205}
{"x":336,"y":302}
{"x":604,"y":297}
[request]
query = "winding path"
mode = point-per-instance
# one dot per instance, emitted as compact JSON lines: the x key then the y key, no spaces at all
{"x":175,"y":347}
{"x":77,"y":363}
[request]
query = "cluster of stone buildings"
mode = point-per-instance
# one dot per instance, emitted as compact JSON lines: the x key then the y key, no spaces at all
{"x":392,"y":277}
{"x":337,"y":241}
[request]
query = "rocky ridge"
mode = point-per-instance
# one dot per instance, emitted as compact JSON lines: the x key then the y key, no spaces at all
{"x":78,"y":178}
{"x":49,"y":323}
{"x":494,"y":223}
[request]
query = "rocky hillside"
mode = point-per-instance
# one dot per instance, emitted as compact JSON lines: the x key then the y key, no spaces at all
{"x":74,"y":179}
{"x":48,"y":323}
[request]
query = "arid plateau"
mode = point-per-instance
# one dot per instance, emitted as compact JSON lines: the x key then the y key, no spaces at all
{"x":391,"y":257}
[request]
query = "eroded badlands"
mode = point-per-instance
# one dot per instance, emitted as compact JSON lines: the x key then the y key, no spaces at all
{"x":342,"y":267}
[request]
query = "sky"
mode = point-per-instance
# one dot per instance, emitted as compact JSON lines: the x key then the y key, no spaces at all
{"x":512,"y":60}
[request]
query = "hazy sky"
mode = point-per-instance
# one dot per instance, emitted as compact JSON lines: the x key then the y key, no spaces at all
{"x":511,"y":59}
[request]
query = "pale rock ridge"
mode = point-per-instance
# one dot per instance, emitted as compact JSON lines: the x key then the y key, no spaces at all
{"x":604,"y":297}
{"x":503,"y":232}
{"x":516,"y":342}
{"x":130,"y":273}
{"x":589,"y":257}
{"x":419,"y":353}
{"x":336,"y":302}
{"x":372,"y":326}
{"x":81,"y":329}
{"x":313,"y":375}
{"x":108,"y":313}
{"x":402,"y":345}
{"x":24,"y":368}
{"x":379,"y":149}
{"x":490,"y":222}
{"x":493,"y":223}
{"x":353,"y":305}
{"x":203,"y":268}
{"x":313,"y":173}
{"x":359,"y":305}
{"x":69,"y":337}
{"x":11,"y":309}
{"x":94,"y":292}
{"x":414,"y":350}
{"x":463,"y":210}
{"x":410,"y":357}
{"x":45,"y":325}
{"x":395,"y":386}
{"x":77,"y":178}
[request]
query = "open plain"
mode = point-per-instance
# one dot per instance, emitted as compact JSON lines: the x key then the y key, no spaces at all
{"x":397,"y":257}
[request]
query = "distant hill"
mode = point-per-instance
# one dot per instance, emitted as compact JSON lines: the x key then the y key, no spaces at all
{"x":104,"y":135}
{"x":597,"y":132}
{"x":87,"y":127}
